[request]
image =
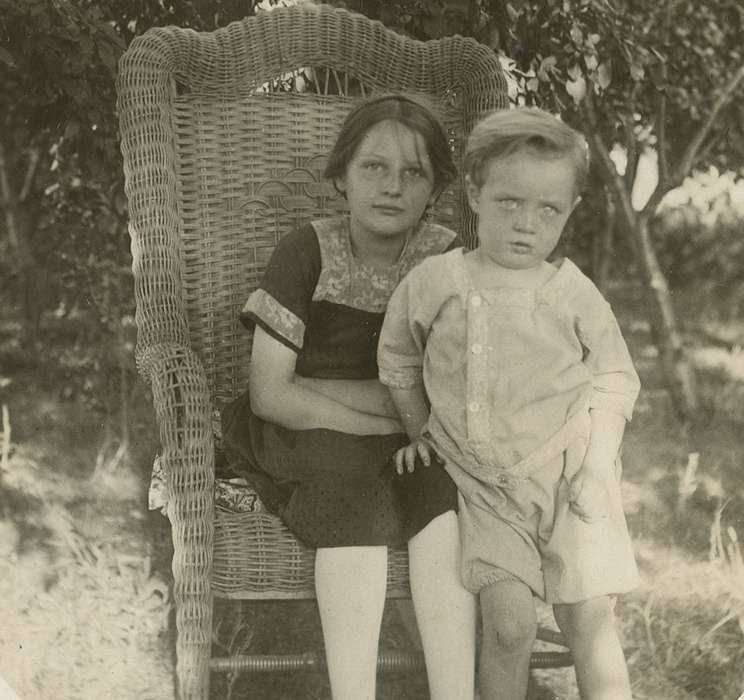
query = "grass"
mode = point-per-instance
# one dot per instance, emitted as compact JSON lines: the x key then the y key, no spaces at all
{"x":85,"y":570}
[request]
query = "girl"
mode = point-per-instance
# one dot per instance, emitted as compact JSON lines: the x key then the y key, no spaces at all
{"x":530,"y":384}
{"x":317,"y":428}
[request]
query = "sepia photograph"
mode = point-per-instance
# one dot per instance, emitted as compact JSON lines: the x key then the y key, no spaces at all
{"x":371,"y":349}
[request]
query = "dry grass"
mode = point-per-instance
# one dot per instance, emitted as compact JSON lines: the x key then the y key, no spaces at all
{"x":684,"y":629}
{"x":83,"y":614}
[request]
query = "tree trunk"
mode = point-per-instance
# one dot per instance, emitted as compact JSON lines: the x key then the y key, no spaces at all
{"x":18,"y":235}
{"x":678,"y":373}
{"x":603,"y":247}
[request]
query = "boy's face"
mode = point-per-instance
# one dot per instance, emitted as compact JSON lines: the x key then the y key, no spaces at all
{"x":522,"y":206}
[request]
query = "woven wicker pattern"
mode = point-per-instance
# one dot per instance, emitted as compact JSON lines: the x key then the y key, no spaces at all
{"x":223,"y":144}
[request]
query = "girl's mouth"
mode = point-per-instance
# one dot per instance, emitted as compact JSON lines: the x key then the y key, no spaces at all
{"x":388,"y":209}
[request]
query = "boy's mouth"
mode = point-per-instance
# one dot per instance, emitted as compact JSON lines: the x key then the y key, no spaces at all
{"x":520,"y":246}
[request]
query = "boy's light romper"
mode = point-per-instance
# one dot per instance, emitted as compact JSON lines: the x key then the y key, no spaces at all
{"x":511,"y":375}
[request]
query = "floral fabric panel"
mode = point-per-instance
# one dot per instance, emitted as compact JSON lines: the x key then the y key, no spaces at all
{"x":276,"y":317}
{"x":235,"y":495}
{"x":348,"y":281}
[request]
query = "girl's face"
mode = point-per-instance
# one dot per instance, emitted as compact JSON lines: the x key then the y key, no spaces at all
{"x":389,"y":181}
{"x":522,"y":206}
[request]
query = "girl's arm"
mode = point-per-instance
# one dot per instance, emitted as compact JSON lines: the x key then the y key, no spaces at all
{"x":366,"y":395}
{"x":277,"y":396}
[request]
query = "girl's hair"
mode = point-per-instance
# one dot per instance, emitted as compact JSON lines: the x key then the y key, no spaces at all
{"x":410,"y":113}
{"x":524,"y":128}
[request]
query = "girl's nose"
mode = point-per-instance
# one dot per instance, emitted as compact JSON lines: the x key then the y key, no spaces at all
{"x":393,"y":183}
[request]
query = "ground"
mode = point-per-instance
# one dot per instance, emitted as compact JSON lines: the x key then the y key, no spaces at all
{"x":85,"y":580}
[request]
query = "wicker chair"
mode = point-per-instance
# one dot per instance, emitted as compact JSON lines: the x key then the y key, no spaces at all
{"x":223,"y":136}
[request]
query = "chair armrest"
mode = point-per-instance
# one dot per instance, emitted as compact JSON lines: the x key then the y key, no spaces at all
{"x":183,"y":411}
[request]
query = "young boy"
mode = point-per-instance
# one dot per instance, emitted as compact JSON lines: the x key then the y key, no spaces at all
{"x":513,"y":371}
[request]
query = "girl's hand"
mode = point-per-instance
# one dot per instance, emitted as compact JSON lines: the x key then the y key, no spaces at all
{"x":588,"y":496}
{"x":405,"y":457}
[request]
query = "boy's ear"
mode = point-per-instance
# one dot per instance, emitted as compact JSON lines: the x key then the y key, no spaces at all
{"x":576,"y":203}
{"x":472,"y":190}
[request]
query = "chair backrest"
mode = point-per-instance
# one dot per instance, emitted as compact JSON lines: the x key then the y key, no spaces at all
{"x":224,"y":137}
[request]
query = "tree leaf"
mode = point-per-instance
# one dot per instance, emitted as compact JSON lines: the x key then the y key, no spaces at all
{"x":604,"y":75}
{"x":546,"y":66}
{"x":577,"y":89}
{"x":574,"y":72}
{"x":637,"y":71}
{"x":7,"y":58}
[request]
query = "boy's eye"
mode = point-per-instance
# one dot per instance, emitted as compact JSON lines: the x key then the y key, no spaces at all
{"x":549,"y":211}
{"x":508,"y":203}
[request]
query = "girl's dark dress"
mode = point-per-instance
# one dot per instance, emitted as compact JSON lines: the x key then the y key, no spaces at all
{"x":333,"y":488}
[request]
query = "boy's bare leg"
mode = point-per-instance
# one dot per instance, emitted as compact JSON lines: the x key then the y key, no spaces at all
{"x":589,"y":629}
{"x":445,"y":610}
{"x":509,"y":629}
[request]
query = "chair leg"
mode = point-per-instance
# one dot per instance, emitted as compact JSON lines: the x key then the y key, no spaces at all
{"x":407,"y":615}
{"x":192,"y":592}
{"x":193,"y":644}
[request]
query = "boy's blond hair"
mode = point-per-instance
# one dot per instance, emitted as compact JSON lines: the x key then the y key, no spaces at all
{"x":507,"y":131}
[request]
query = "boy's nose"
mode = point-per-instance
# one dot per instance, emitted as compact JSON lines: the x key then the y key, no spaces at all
{"x":525,"y":220}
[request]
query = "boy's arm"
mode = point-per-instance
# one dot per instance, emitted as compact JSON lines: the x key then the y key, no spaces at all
{"x":400,"y":357}
{"x":413,"y":409}
{"x":588,"y":490}
{"x":604,"y":440}
{"x":615,"y":389}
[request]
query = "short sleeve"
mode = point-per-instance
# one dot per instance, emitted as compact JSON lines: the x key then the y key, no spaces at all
{"x":410,"y":313}
{"x":615,"y":382}
{"x":281,"y":304}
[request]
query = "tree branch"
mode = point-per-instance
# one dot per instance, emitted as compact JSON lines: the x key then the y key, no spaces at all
{"x":692,"y":151}
{"x":633,"y":153}
{"x":8,"y":199}
{"x":613,"y":179}
{"x":661,"y":107}
{"x":33,"y":163}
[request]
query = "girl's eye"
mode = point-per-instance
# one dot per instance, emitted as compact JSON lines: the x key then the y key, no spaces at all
{"x":373,"y":166}
{"x":414,"y":172}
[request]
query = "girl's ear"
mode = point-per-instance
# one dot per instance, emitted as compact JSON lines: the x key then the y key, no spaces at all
{"x":472,"y":190}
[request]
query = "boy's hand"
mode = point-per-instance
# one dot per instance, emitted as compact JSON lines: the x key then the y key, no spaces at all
{"x":405,"y":457}
{"x":588,"y":495}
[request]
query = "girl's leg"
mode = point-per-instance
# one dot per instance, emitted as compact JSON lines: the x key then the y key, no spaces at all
{"x":445,"y":610}
{"x":350,"y":585}
{"x":589,"y":628}
{"x":509,"y":629}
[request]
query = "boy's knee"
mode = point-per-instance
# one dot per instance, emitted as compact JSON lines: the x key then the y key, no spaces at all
{"x":508,"y":613}
{"x":510,"y":634}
